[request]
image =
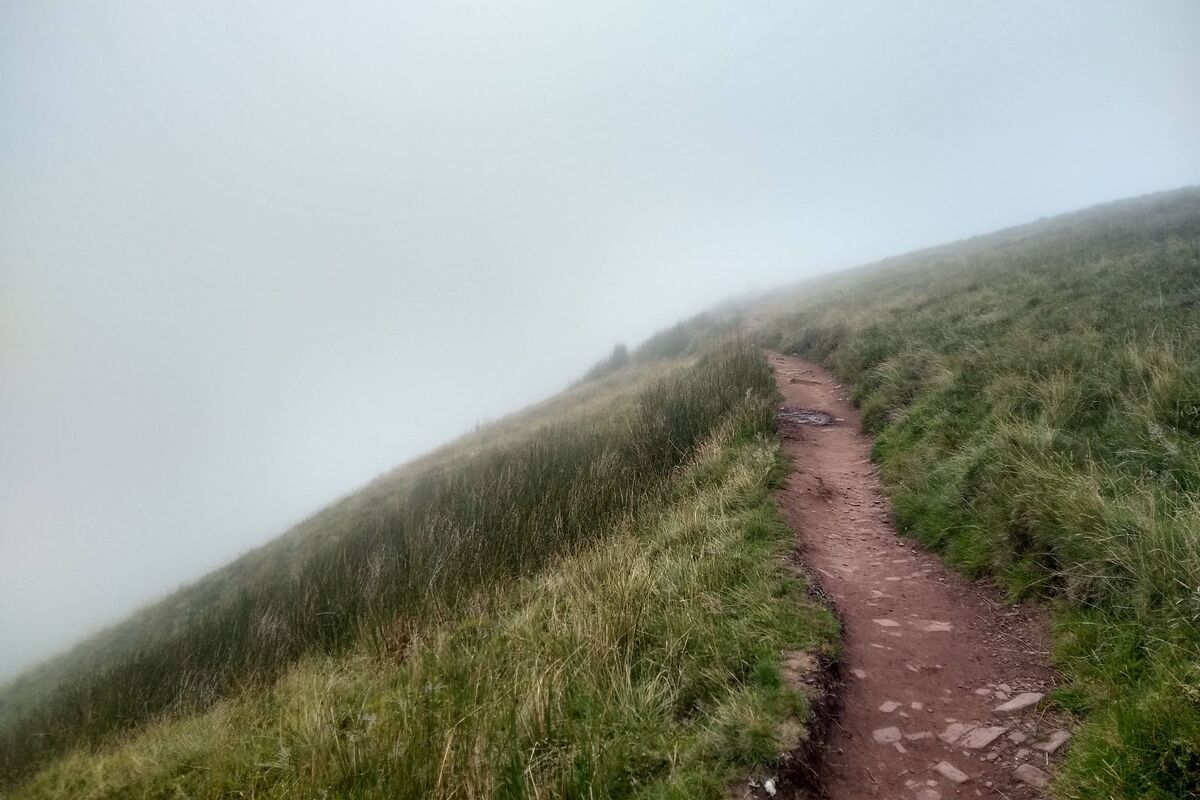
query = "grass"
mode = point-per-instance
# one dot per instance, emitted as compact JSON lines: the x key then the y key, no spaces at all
{"x":1036,"y":400}
{"x":584,"y":601}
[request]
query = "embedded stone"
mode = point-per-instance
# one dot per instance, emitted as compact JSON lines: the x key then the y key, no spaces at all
{"x":1056,"y":740}
{"x":889,"y":735}
{"x":1028,"y":773}
{"x":955,"y":731}
{"x":951,"y":772}
{"x":1021,"y":702}
{"x":980,"y":737}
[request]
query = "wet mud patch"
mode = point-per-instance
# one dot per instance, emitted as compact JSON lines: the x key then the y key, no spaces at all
{"x":791,"y":419}
{"x":805,"y":416}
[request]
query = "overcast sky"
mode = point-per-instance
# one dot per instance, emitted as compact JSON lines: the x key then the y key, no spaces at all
{"x":255,"y":253}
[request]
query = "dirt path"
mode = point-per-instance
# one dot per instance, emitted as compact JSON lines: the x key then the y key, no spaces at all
{"x":929,"y":658}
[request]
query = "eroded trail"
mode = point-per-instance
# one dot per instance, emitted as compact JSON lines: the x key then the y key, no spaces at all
{"x":942,"y":684}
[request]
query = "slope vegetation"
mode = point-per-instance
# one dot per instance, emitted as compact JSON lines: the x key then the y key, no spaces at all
{"x":1036,"y":399}
{"x":584,"y":600}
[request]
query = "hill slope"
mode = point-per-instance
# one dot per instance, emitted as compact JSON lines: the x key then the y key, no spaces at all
{"x":588,"y":598}
{"x":1036,"y":397}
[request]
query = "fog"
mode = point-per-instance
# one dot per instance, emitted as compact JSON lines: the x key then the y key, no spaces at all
{"x":252,"y":254}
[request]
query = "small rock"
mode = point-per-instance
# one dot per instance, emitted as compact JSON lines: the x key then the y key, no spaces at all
{"x":1020,"y":702}
{"x":769,"y":786}
{"x":1022,"y":753}
{"x":954,"y":732}
{"x":889,"y":735}
{"x":933,"y":626}
{"x":983,"y":692}
{"x":1016,"y":737}
{"x":861,"y":674}
{"x":1056,"y":740}
{"x":929,"y":794}
{"x":917,"y":706}
{"x":1028,"y":773}
{"x":951,"y":772}
{"x":890,"y":623}
{"x":889,"y":706}
{"x":980,"y":737}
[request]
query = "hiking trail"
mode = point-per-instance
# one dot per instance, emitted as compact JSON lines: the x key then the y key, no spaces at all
{"x":943,"y":685}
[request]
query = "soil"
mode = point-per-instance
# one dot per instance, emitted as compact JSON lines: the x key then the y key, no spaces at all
{"x":928,"y":656}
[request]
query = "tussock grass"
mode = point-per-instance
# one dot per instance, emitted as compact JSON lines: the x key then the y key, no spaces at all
{"x":1036,"y":399}
{"x":581,"y":596}
{"x":641,"y":662}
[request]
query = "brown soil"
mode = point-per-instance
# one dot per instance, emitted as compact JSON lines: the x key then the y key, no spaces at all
{"x":926,"y":652}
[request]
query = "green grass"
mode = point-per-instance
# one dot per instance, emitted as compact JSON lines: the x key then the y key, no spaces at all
{"x":585,"y":600}
{"x":1036,"y":400}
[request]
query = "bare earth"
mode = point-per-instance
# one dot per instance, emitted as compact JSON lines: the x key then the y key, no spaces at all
{"x":929,"y":656}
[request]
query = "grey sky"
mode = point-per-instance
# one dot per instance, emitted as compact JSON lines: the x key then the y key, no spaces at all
{"x":252,"y":254}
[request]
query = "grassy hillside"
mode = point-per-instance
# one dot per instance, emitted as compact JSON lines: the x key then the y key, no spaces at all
{"x":586,"y":599}
{"x":1036,"y":395}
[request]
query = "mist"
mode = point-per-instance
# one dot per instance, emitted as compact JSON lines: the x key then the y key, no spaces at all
{"x":254,"y":254}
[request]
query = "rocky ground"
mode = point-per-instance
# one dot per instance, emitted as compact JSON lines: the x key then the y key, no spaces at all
{"x":943,"y":686}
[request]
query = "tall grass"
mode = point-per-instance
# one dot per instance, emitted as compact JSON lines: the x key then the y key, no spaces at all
{"x":372,"y":568}
{"x":644,"y":664}
{"x":1036,"y":394}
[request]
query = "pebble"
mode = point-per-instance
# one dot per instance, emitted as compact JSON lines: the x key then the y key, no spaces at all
{"x":1020,"y":702}
{"x":954,"y":732}
{"x":889,"y":735}
{"x":1028,"y":773}
{"x":980,"y":737}
{"x":889,"y":623}
{"x":951,"y":772}
{"x":1056,"y":740}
